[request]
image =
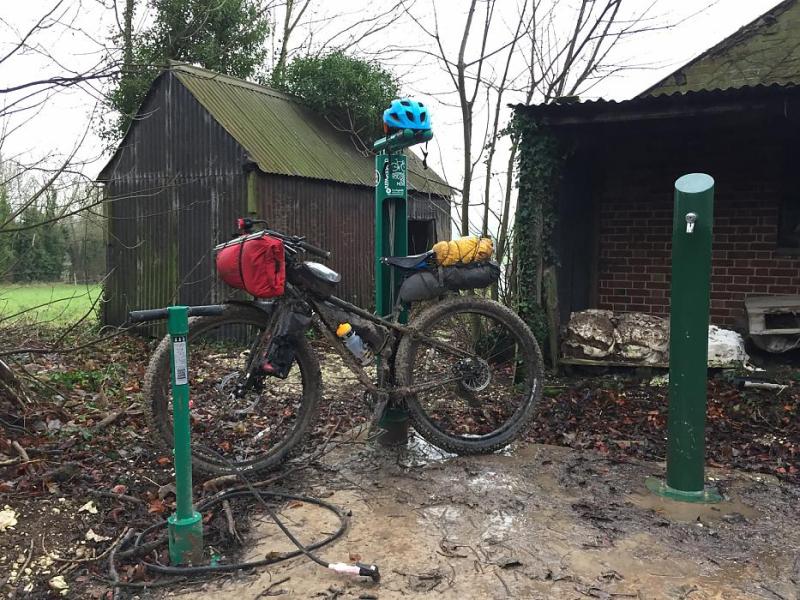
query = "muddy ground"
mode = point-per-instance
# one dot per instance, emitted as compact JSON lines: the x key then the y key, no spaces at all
{"x":78,"y":465}
{"x":534,"y":522}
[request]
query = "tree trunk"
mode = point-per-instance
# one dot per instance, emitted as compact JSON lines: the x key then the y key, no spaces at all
{"x":466,"y":120}
{"x":127,"y":34}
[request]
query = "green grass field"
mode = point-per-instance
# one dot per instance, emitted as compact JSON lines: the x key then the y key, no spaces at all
{"x":53,"y":303}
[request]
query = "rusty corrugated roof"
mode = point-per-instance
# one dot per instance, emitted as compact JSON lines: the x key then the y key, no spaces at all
{"x":664,"y":106}
{"x":284,"y":137}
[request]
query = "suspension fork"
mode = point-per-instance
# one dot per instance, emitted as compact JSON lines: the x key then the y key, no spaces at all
{"x":257,"y":351}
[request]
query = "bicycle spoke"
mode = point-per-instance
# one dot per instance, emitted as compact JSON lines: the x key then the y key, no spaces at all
{"x":239,"y":426}
{"x":488,"y":390}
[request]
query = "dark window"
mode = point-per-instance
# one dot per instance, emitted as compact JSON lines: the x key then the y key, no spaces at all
{"x":789,"y":223}
{"x":421,"y":236}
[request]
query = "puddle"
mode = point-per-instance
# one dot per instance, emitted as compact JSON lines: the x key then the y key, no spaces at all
{"x":484,"y":479}
{"x":442,"y":515}
{"x":499,"y":526}
{"x":420,"y":452}
{"x":689,"y":512}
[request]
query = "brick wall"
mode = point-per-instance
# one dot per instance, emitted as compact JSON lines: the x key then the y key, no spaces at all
{"x":635,"y":224}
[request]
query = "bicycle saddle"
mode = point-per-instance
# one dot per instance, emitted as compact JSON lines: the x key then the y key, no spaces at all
{"x":417,"y":261}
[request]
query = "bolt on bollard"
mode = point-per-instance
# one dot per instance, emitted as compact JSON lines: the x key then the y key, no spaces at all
{"x":688,"y":342}
{"x":185,"y":526}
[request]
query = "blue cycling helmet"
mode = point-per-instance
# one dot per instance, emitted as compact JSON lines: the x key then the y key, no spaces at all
{"x":405,"y":113}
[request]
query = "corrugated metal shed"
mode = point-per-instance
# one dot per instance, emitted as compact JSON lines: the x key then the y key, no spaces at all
{"x":284,"y":138}
{"x":180,"y":178}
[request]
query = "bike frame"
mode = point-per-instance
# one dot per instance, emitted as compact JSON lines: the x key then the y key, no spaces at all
{"x":385,"y":387}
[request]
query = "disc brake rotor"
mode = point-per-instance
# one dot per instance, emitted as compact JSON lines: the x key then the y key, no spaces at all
{"x":475,"y":374}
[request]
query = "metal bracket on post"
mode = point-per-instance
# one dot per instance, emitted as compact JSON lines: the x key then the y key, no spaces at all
{"x":185,"y":525}
{"x":688,"y":342}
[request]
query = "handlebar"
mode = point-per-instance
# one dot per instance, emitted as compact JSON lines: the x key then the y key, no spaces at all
{"x":155,"y":314}
{"x":311,"y":249}
{"x":245,"y":227}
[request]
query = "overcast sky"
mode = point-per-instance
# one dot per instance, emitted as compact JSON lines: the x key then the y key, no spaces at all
{"x":60,"y":125}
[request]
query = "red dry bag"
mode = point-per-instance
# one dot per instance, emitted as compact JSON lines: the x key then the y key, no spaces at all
{"x":255,"y":264}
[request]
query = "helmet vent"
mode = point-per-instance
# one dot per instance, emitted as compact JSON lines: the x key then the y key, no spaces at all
{"x":410,"y":116}
{"x":422,"y":116}
{"x":405,"y":102}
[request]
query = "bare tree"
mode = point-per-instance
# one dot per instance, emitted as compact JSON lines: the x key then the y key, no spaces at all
{"x":293,"y":12}
{"x":545,"y":50}
{"x":311,"y":28}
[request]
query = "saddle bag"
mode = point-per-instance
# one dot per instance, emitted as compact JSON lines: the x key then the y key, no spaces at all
{"x":431,"y":284}
{"x":254,"y":263}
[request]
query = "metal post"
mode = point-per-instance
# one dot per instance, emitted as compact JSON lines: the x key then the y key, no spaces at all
{"x":688,"y":352}
{"x":391,"y":239}
{"x":185,"y":525}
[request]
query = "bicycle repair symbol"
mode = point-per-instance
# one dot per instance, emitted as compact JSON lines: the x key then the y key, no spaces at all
{"x":394,"y":182}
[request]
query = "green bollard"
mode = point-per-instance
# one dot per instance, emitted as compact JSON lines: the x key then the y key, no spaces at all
{"x":391,"y":238}
{"x":185,"y":525}
{"x":692,"y":230}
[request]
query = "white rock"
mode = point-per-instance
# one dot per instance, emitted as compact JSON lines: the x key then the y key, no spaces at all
{"x":725,"y":348}
{"x":8,"y":518}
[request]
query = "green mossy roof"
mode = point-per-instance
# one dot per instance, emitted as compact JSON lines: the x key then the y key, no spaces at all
{"x":283,"y":137}
{"x":764,"y":52}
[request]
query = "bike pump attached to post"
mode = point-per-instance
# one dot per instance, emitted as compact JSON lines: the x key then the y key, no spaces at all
{"x":688,"y":342}
{"x":391,"y":239}
{"x":185,"y":525}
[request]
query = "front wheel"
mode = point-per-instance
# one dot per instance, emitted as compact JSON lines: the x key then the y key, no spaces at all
{"x":253,"y":431}
{"x":478,"y":395}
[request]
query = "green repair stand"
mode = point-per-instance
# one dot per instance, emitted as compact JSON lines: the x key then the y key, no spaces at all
{"x":391,"y":239}
{"x":185,"y":525}
{"x":692,"y":230}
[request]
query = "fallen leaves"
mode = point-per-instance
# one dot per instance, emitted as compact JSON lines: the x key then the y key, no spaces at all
{"x":746,"y":430}
{"x":59,"y":584}
{"x":89,"y":507}
{"x":156,"y":506}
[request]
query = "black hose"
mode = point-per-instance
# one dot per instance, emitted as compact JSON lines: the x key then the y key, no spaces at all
{"x":362,"y":570}
{"x":200,"y":570}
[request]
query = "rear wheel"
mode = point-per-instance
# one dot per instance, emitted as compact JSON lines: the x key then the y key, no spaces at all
{"x":254,"y":432}
{"x":481,"y":398}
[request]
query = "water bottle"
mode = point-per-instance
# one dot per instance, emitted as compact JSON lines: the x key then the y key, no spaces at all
{"x":353,"y":342}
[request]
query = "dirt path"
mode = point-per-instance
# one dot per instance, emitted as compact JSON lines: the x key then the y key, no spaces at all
{"x":539,"y":522}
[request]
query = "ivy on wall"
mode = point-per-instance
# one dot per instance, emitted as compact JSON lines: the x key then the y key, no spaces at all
{"x":539,"y":166}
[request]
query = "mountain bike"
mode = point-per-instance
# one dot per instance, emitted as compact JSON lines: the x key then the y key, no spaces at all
{"x":467,"y":369}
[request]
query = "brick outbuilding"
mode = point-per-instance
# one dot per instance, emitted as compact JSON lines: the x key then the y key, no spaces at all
{"x":734,"y":113}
